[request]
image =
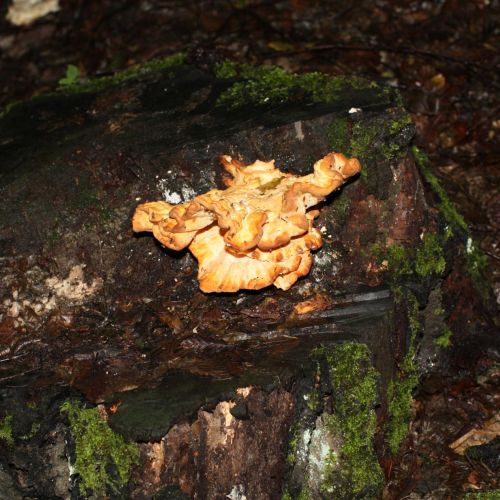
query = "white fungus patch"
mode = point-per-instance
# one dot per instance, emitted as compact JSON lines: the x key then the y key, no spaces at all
{"x":299,"y":133}
{"x":469,"y":246}
{"x":188,"y":193}
{"x":25,"y":311}
{"x":319,"y":452}
{"x":74,"y":287}
{"x":303,"y":446}
{"x":28,"y":304}
{"x":171,"y":196}
{"x":323,"y":259}
{"x":316,"y":454}
{"x":237,"y":493}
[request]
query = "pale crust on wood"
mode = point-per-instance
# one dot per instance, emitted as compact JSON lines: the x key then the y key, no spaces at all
{"x":255,"y":233}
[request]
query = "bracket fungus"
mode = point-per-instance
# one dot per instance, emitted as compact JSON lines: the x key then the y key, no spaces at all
{"x":257,"y":232}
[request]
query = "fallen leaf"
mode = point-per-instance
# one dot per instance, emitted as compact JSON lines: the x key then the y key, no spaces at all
{"x":476,"y":437}
{"x":472,"y":478}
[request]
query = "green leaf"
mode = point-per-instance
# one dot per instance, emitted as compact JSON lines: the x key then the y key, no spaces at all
{"x":72,"y":75}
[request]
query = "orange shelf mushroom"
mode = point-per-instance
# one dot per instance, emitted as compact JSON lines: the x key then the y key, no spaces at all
{"x":257,"y":232}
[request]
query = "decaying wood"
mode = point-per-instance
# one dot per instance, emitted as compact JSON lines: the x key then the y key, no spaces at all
{"x":210,"y":385}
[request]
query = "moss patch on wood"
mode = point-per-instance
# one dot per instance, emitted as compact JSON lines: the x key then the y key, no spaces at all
{"x":429,"y":259}
{"x":6,"y":429}
{"x":268,"y":85}
{"x":293,"y":443}
{"x":99,"y":83}
{"x":425,"y":261}
{"x":447,"y":208}
{"x":476,"y":260}
{"x":103,"y":458}
{"x":371,"y":139}
{"x":75,"y":85}
{"x":338,"y":134}
{"x":400,"y":390}
{"x":444,"y":340}
{"x":477,"y":266}
{"x":356,"y":471}
{"x":484,"y":495}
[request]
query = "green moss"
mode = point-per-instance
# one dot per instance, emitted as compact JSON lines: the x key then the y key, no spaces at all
{"x":483,"y":495}
{"x":444,"y":340}
{"x":226,"y":69}
{"x":8,"y":107}
{"x":398,"y":261}
{"x":338,"y":135}
{"x":313,"y":396}
{"x":449,"y":212}
{"x":366,"y":135}
{"x":477,"y":261}
{"x":293,"y":444}
{"x":477,"y":265}
{"x":35,"y":427}
{"x":379,"y":139}
{"x":354,"y":385}
{"x":363,"y":137}
{"x":400,"y":390}
{"x":430,"y":256}
{"x":99,"y":83}
{"x":376,"y":138}
{"x":340,"y":206}
{"x":400,"y":123}
{"x":268,"y":85}
{"x":6,"y":429}
{"x":103,"y":458}
{"x":72,"y":75}
{"x":74,"y":85}
{"x":391,"y":150}
{"x":304,"y":495}
{"x":426,"y":260}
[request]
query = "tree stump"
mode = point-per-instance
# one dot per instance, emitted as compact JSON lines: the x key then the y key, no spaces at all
{"x":268,"y":394}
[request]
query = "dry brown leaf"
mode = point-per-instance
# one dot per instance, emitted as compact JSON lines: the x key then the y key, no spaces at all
{"x":476,"y":437}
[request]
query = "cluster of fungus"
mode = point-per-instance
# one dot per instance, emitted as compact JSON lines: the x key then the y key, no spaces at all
{"x":257,"y":232}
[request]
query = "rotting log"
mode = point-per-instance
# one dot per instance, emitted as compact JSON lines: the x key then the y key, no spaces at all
{"x":252,"y":394}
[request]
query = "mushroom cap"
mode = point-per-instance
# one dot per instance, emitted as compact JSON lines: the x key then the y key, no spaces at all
{"x":255,"y":233}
